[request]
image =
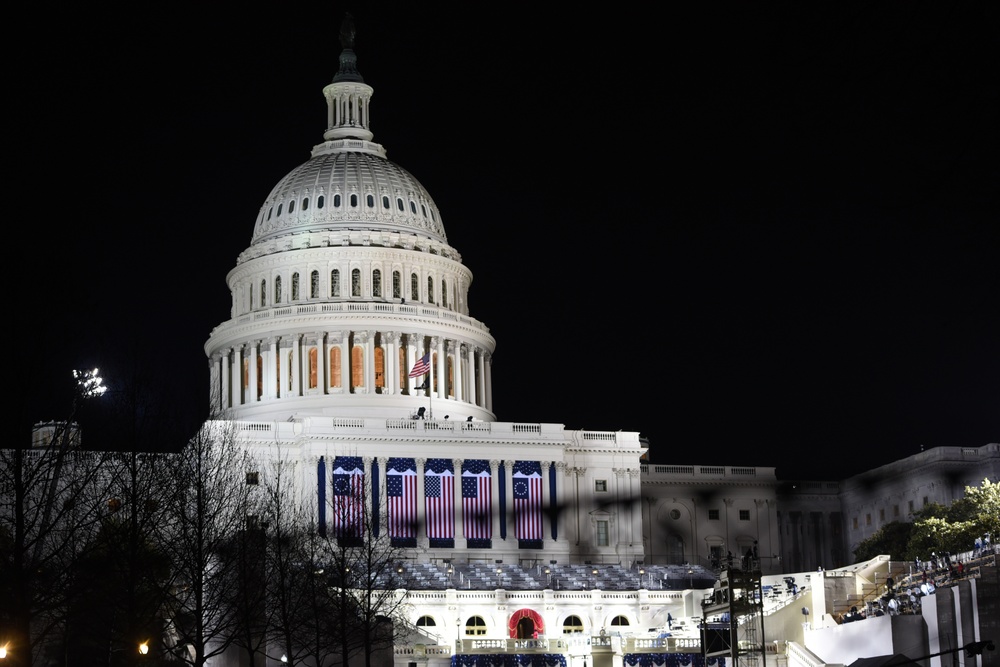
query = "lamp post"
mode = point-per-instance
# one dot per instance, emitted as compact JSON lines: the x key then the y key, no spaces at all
{"x":690,"y":577}
{"x":593,"y":573}
{"x":642,"y":575}
{"x":499,"y":577}
{"x":548,"y":578}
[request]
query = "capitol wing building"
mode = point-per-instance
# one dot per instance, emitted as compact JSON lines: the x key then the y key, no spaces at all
{"x":351,"y":351}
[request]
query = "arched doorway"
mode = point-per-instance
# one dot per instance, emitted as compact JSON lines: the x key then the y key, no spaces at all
{"x":525,"y":624}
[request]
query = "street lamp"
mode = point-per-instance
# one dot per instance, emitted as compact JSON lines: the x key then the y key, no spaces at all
{"x":499,"y":577}
{"x":144,"y":648}
{"x":593,"y":572}
{"x":642,"y":574}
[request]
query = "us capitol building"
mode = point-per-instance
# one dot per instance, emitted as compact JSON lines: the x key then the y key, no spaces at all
{"x":519,"y":537}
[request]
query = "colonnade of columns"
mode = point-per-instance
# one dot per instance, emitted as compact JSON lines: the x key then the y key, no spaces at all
{"x":339,"y":362}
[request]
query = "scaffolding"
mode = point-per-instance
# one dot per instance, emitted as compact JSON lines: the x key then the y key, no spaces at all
{"x":733,"y":619}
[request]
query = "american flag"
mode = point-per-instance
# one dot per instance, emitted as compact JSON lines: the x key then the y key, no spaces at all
{"x":476,"y":494}
{"x":527,"y":478}
{"x":348,"y":496}
{"x":422,"y":366}
{"x":401,"y":490}
{"x":439,"y":493}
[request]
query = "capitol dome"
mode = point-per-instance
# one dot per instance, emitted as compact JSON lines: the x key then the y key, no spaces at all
{"x":348,"y":284}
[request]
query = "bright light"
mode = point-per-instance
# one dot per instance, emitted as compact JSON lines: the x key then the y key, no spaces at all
{"x":3,"y":651}
{"x":143,"y":648}
{"x":284,"y":658}
{"x":89,"y":383}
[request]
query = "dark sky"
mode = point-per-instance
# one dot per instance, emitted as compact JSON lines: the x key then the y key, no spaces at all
{"x":758,"y":234}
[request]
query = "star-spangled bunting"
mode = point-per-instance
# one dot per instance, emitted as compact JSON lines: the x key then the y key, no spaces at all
{"x":476,"y":495}
{"x":439,"y":494}
{"x":527,"y":482}
{"x":348,"y":496}
{"x":401,"y":491}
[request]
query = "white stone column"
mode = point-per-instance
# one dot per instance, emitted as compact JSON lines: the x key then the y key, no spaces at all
{"x":459,"y":509}
{"x":344,"y":343}
{"x":437,"y":344}
{"x":509,"y":496}
{"x":383,"y":524}
{"x":459,"y":371}
{"x":297,"y":385}
{"x":487,"y":381}
{"x":562,"y":480}
{"x":224,"y":379}
{"x":391,"y":340}
{"x":495,"y":499}
{"x":252,"y":360}
{"x":422,"y":541}
{"x":236,"y":397}
{"x":270,"y":367}
{"x":414,"y":350}
{"x":547,"y":502}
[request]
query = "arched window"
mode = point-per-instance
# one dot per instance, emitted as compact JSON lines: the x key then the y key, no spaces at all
{"x":413,"y":207}
{"x":430,"y":290}
{"x":356,"y":282}
{"x":619,"y":620}
{"x":376,"y":283}
{"x":399,"y":203}
{"x":572,"y":625}
{"x":444,"y":294}
{"x":277,"y":289}
{"x":397,"y":285}
{"x":336,"y":201}
{"x":291,"y":206}
{"x":475,"y":626}
{"x":263,"y":293}
{"x":357,"y":366}
{"x":279,"y":208}
{"x":354,"y":200}
{"x":414,"y":288}
{"x":385,"y":201}
{"x":314,"y":285}
{"x":335,"y":373}
{"x":312,"y":367}
{"x":335,"y":283}
{"x":370,"y":200}
{"x":425,"y":622}
{"x":305,"y":204}
{"x":320,"y":201}
{"x":379,"y":368}
{"x":295,"y":286}
{"x":269,"y":212}
{"x":423,"y":209}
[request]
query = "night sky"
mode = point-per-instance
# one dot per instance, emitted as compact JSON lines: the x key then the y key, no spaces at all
{"x":756,"y":233}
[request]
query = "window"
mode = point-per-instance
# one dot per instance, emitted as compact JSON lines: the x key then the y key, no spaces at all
{"x":601,"y":485}
{"x":356,"y":282}
{"x":291,"y":206}
{"x":295,"y":287}
{"x":399,"y":204}
{"x":314,"y":285}
{"x":336,"y":201}
{"x":572,"y":625}
{"x":385,"y":201}
{"x":713,"y":515}
{"x":413,"y":207}
{"x":744,"y":515}
{"x":414,"y":288}
{"x":320,"y":201}
{"x":305,"y":204}
{"x":354,"y":200}
{"x":253,"y":478}
{"x":277,"y":289}
{"x":619,"y":620}
{"x":425,"y":622}
{"x":376,"y":283}
{"x":925,"y":501}
{"x":430,"y":290}
{"x":603,"y":534}
{"x":675,"y":514}
{"x":263,"y":293}
{"x":868,"y":519}
{"x":370,"y":200}
{"x":335,"y":283}
{"x":397,"y":285}
{"x":475,"y":626}
{"x":444,"y":294}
